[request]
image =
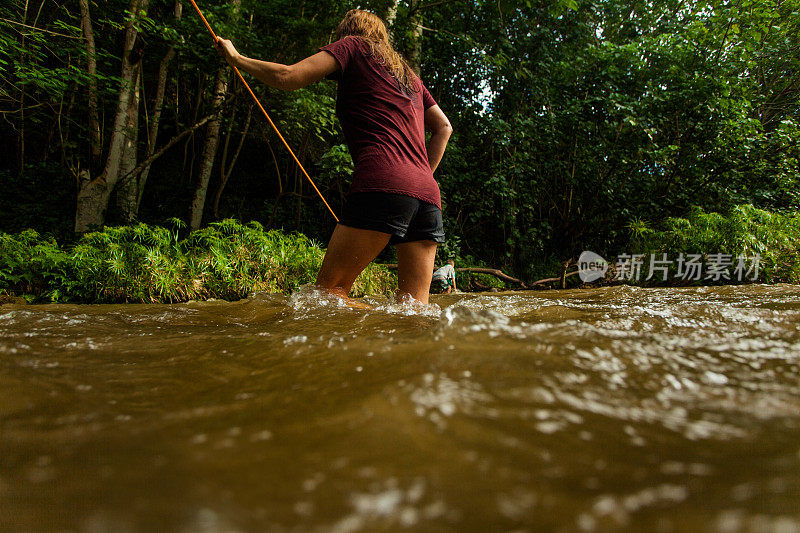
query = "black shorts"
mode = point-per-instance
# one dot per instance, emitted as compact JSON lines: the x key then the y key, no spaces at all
{"x":405,"y":218}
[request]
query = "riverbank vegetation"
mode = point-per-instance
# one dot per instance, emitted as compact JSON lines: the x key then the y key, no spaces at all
{"x":747,"y":231}
{"x":142,"y":263}
{"x":575,"y":122}
{"x":230,"y":260}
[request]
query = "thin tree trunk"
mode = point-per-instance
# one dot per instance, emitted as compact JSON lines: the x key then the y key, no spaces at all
{"x":128,"y":191}
{"x":414,"y":51}
{"x":158,"y":107}
{"x":94,"y":194}
{"x":209,"y":153}
{"x":21,"y":136}
{"x":415,"y":48}
{"x":391,"y":14}
{"x":201,"y":79}
{"x":277,"y":167}
{"x":211,"y":144}
{"x":163,"y":69}
{"x":63,"y":136}
{"x":167,"y":146}
{"x":94,"y":122}
{"x":225,"y":171}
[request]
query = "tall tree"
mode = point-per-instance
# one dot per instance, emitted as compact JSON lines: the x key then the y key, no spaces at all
{"x":91,"y":57}
{"x":94,"y":193}
{"x":158,"y":107}
{"x":127,"y":190}
{"x":211,"y":145}
{"x":209,"y":153}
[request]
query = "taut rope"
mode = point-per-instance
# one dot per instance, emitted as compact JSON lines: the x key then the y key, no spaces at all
{"x":247,"y":86}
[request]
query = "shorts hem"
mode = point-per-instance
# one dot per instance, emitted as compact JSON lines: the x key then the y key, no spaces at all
{"x":368,"y":225}
{"x":415,"y":238}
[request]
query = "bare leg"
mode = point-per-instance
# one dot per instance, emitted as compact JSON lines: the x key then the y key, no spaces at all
{"x":415,"y":269}
{"x":349,"y":252}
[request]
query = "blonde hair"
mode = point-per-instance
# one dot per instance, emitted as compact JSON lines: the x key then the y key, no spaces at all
{"x":370,"y":28}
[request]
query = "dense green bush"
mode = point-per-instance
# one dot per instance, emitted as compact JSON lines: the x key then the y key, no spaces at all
{"x":745,"y":230}
{"x":32,"y":264}
{"x":145,"y":263}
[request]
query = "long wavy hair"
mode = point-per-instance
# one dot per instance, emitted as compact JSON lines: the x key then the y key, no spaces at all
{"x":372,"y":30}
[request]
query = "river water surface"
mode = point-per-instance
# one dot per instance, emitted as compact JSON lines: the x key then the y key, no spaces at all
{"x":579,"y":410}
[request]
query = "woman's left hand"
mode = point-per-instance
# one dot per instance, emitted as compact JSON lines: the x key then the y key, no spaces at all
{"x":226,"y":49}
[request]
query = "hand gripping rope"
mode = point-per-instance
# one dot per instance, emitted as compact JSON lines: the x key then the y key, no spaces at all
{"x":214,"y":38}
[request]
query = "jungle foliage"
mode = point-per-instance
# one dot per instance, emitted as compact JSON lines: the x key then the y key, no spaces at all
{"x":574,"y":120}
{"x":744,"y":231}
{"x":142,"y":263}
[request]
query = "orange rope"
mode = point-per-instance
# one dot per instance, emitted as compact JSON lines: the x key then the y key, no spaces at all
{"x":214,"y":37}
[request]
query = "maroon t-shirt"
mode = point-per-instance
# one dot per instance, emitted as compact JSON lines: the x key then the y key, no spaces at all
{"x":383,"y":123}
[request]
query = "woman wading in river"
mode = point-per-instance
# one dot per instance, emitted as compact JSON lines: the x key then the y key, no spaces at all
{"x":384,"y":110}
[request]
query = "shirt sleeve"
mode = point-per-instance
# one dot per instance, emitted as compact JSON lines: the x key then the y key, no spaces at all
{"x":343,"y":51}
{"x":427,"y":99}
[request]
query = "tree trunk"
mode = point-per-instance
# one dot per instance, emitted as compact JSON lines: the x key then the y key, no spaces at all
{"x":188,"y":149}
{"x":21,"y":129}
{"x":94,"y":122}
{"x":227,"y":169}
{"x":415,"y":47}
{"x":94,"y":194}
{"x":158,"y":107}
{"x":391,"y":14}
{"x":212,"y":142}
{"x":128,"y":191}
{"x":414,"y":50}
{"x":185,"y":133}
{"x":209,"y":153}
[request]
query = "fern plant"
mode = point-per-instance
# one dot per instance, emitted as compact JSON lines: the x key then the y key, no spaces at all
{"x":744,"y":230}
{"x":143,"y":263}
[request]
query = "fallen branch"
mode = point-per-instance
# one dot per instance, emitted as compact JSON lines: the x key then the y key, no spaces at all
{"x":493,"y":272}
{"x":479,"y":270}
{"x":505,"y":277}
{"x":550,"y":280}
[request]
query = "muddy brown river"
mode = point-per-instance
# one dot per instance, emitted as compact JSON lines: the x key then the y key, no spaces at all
{"x":617,"y":408}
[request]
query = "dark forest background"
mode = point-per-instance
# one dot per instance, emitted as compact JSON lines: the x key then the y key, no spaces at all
{"x":576,"y":121}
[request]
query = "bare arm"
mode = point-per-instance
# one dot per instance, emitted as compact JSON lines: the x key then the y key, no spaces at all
{"x":440,"y":128}
{"x":285,"y":77}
